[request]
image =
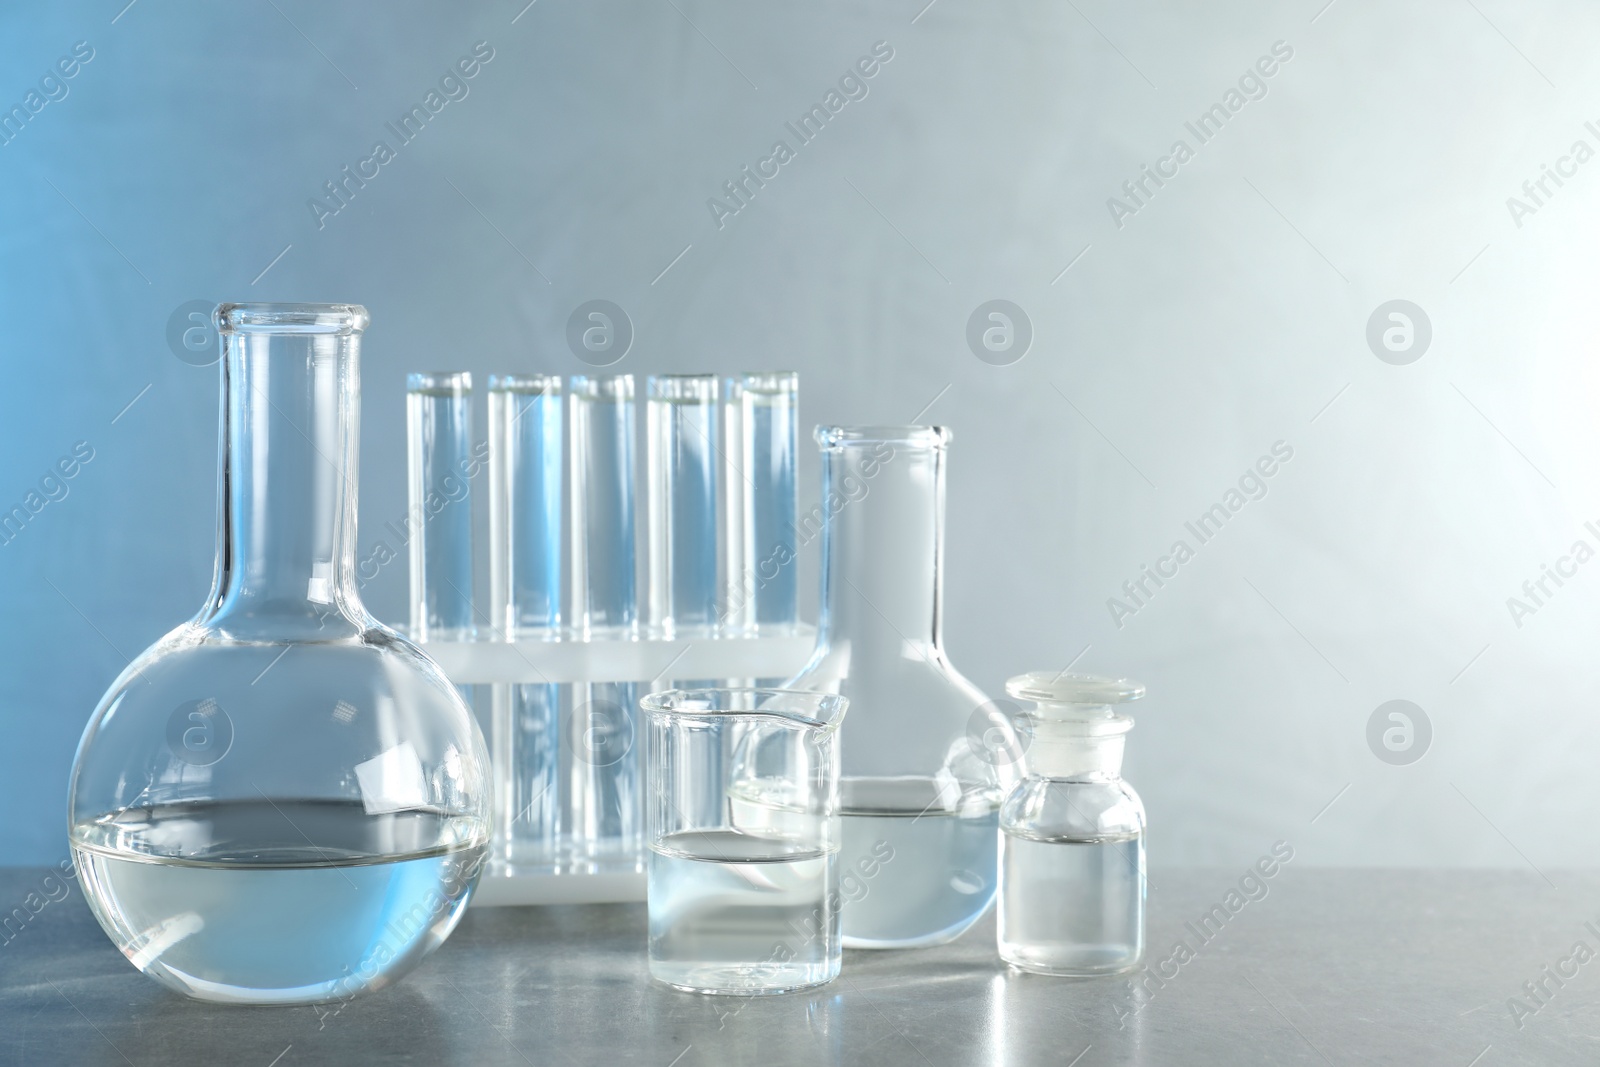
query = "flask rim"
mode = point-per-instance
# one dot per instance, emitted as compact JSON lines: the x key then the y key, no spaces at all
{"x":343,"y":320}
{"x":685,"y":704}
{"x":834,"y":438}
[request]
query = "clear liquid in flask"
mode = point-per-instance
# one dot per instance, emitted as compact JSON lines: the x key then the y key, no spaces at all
{"x":926,"y":869}
{"x":326,"y":901}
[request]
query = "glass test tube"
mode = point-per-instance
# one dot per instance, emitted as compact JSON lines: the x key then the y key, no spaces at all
{"x":441,"y":465}
{"x":603,"y":804}
{"x":525,"y":485}
{"x":734,"y":606}
{"x":769,"y":455}
{"x":682,"y":458}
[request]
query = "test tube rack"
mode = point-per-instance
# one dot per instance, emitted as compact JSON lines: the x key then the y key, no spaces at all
{"x":645,"y":660}
{"x":639,"y":640}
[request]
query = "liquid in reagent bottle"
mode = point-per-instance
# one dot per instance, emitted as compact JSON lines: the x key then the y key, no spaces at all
{"x":1072,"y":854}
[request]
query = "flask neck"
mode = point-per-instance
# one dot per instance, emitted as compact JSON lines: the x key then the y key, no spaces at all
{"x":286,"y":528}
{"x":883,"y":545}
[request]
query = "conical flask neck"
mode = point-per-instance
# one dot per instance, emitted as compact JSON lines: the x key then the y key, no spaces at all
{"x":883,"y":543}
{"x":286,"y":530}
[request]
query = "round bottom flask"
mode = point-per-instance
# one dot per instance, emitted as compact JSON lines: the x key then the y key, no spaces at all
{"x":281,"y":801}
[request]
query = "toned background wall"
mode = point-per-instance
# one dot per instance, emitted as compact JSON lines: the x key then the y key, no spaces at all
{"x":1362,"y":154}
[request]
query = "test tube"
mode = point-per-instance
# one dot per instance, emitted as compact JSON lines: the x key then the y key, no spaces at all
{"x":441,"y":465}
{"x":769,"y":454}
{"x":525,"y":485}
{"x":603,"y":805}
{"x":733,"y":610}
{"x":683,"y":461}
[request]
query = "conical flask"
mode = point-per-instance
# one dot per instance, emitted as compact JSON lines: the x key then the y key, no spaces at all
{"x":282,"y":800}
{"x":926,"y":757}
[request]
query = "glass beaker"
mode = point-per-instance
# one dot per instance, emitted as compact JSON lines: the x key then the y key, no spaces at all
{"x":926,"y":757}
{"x":742,"y":813}
{"x":282,"y":800}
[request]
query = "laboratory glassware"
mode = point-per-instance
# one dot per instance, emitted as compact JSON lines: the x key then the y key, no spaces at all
{"x":734,"y":605}
{"x":442,"y":463}
{"x":1072,"y":853}
{"x":526,"y":453}
{"x":926,"y":759}
{"x":282,"y":800}
{"x":743,"y":826}
{"x":603,"y":812}
{"x":767,"y":450}
{"x":682,"y":460}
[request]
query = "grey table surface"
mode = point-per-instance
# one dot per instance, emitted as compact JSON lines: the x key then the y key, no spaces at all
{"x":1329,"y":967}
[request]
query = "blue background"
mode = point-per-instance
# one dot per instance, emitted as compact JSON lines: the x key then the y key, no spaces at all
{"x":1229,"y":312}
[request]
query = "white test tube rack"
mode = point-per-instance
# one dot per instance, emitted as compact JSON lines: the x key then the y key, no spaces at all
{"x":646,"y":661}
{"x":572,"y":657}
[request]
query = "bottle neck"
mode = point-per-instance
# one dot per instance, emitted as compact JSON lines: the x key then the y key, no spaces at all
{"x":883,"y":547}
{"x":286,"y":529}
{"x":1074,"y":748}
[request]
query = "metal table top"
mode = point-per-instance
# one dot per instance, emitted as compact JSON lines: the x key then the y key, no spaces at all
{"x":1328,"y":967}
